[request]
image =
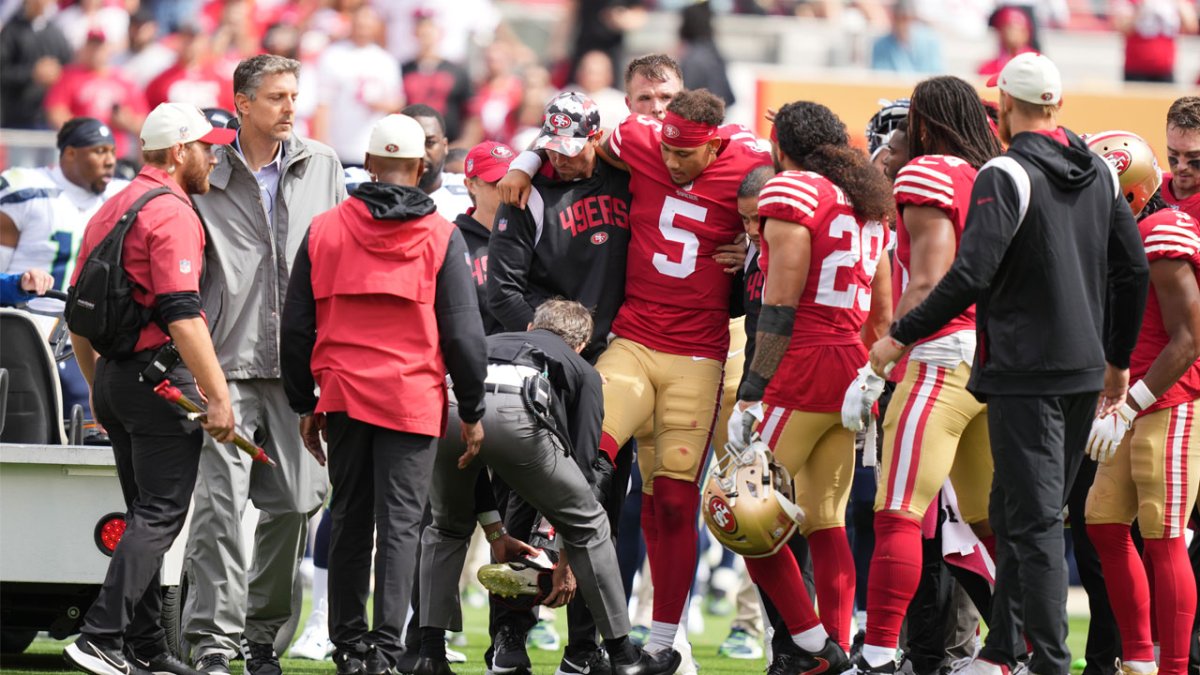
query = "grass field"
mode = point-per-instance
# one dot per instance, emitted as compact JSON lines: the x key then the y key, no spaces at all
{"x":44,"y":656}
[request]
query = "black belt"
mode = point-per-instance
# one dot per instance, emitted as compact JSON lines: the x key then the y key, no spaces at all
{"x":492,"y":388}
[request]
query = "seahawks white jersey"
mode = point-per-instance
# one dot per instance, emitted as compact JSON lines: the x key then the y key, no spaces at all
{"x":452,"y":197}
{"x":50,"y":213}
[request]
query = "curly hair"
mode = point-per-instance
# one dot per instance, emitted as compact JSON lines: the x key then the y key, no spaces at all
{"x":947,"y":118}
{"x":698,"y":105}
{"x":813,"y":137}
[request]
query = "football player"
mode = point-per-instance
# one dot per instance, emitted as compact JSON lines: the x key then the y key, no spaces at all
{"x":1150,"y":448}
{"x":823,"y":241}
{"x":1181,"y":188}
{"x":934,"y":428}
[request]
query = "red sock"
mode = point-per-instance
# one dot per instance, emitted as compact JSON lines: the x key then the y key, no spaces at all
{"x":1174,"y":601}
{"x":1128,"y":592}
{"x":779,"y":577}
{"x":1150,"y":581}
{"x":833,"y":573}
{"x":649,"y":526}
{"x":895,"y":575}
{"x":675,"y":507}
{"x":989,"y":542}
{"x":610,"y":447}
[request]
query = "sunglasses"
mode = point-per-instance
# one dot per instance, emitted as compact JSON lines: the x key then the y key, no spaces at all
{"x":1193,"y":164}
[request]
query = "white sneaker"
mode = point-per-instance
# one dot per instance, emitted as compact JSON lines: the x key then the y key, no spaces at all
{"x":455,"y":656}
{"x":687,"y":665}
{"x":313,"y":644}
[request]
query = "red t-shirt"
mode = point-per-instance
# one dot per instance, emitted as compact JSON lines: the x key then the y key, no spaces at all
{"x":1168,"y":235}
{"x":826,"y":349}
{"x":164,"y":249}
{"x":942,"y":182}
{"x":87,"y":93}
{"x":496,"y":106}
{"x":1190,"y":206}
{"x":676,"y":294}
{"x":200,"y":86}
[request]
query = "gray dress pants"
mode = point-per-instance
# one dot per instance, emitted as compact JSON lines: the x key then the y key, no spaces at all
{"x":531,"y":460}
{"x":232,"y":593}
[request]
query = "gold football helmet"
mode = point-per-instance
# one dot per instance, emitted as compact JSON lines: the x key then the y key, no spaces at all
{"x":1134,"y":161}
{"x":748,"y":501}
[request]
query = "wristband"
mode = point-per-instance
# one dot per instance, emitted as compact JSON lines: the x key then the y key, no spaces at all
{"x":495,"y":536}
{"x":488,"y":517}
{"x":527,"y":163}
{"x":1142,"y":395}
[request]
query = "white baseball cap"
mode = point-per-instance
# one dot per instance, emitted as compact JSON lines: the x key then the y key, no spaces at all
{"x":398,"y":136}
{"x":173,"y":123}
{"x":1030,"y":77}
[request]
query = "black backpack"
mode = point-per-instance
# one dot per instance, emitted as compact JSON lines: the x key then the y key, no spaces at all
{"x":100,"y":305}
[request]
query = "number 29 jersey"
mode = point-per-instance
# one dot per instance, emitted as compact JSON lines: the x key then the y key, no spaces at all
{"x":826,"y":349}
{"x":676,"y":294}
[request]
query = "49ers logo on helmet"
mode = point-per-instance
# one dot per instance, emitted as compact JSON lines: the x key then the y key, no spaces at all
{"x":722,"y":516}
{"x":599,"y":238}
{"x":1120,"y":159}
{"x":560,"y":121}
{"x":671,"y":131}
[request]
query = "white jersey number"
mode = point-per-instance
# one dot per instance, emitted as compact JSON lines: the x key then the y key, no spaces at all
{"x":866,"y":245}
{"x":682,"y":268}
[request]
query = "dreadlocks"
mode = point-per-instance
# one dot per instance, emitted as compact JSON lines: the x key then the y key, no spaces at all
{"x":946,"y":117}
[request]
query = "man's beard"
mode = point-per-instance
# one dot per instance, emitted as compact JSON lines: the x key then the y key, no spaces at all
{"x":195,"y":178}
{"x":429,"y":179}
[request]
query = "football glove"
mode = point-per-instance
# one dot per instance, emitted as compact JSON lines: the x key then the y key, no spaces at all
{"x":741,"y":424}
{"x":1107,"y":433}
{"x":860,"y":398}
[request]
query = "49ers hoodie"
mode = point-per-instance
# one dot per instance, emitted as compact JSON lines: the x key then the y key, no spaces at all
{"x":1049,"y":245}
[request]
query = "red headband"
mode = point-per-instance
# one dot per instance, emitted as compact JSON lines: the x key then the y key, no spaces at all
{"x":774,"y":133}
{"x":684,"y":133}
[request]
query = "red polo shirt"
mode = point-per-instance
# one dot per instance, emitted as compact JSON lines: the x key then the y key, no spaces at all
{"x":164,"y":249}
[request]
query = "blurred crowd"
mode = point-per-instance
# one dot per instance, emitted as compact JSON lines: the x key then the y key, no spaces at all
{"x":116,"y":59}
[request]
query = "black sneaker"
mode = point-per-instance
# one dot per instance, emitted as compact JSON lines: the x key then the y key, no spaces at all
{"x":428,"y":666}
{"x":213,"y":664}
{"x":163,"y":664}
{"x":587,"y":663}
{"x":90,"y":657}
{"x":664,"y":662}
{"x":350,"y":661}
{"x":856,"y":644}
{"x":377,"y":663}
{"x":510,"y":657}
{"x":829,"y":661}
{"x":261,"y":658}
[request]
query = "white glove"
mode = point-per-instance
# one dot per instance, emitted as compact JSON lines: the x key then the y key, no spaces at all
{"x":1107,"y":433}
{"x":741,"y":423}
{"x":860,"y":397}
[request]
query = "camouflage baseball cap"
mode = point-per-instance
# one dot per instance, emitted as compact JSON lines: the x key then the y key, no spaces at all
{"x":571,"y":119}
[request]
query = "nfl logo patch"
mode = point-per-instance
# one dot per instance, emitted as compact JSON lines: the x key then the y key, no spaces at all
{"x":185,"y":266}
{"x":502,"y":224}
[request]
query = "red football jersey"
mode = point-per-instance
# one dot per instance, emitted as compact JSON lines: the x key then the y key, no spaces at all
{"x":1168,"y":235}
{"x":676,"y":295}
{"x":942,"y":182}
{"x":1190,"y":206}
{"x":837,"y":293}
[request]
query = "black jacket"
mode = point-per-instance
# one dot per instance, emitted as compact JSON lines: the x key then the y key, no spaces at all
{"x":476,"y":236}
{"x":752,"y":295}
{"x":571,"y":241}
{"x":578,"y":394}
{"x":460,"y":332}
{"x":1048,"y":238}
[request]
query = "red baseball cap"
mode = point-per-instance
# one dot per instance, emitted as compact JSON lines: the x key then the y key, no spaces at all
{"x":488,"y":160}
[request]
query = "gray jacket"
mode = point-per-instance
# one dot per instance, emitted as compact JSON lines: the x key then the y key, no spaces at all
{"x":248,"y":260}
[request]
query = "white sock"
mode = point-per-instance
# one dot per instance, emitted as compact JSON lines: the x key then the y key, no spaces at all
{"x":811,"y":640}
{"x":877,"y":656}
{"x":320,"y":589}
{"x":1140,"y":666}
{"x":662,"y":636}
